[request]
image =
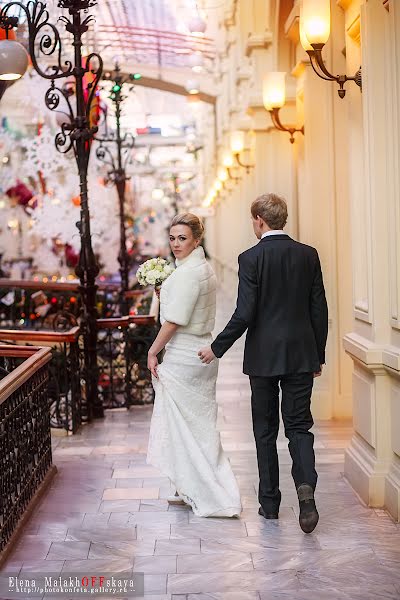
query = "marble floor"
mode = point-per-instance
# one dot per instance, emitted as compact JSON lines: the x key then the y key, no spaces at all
{"x":106,"y":511}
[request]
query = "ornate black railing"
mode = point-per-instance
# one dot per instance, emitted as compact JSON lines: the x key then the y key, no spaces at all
{"x":122,"y":349}
{"x":123,"y":343}
{"x":67,"y":401}
{"x":55,"y":305}
{"x":124,"y":379}
{"x":25,"y":442}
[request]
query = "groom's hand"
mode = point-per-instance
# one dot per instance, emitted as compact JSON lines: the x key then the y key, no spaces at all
{"x":318,"y":373}
{"x":206,"y":355}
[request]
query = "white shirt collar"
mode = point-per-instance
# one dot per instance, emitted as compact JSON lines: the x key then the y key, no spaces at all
{"x":273,"y":232}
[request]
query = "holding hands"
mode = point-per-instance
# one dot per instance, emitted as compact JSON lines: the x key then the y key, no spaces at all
{"x":206,"y":355}
{"x":318,"y":373}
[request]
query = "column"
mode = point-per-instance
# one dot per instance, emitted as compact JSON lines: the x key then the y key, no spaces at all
{"x":372,"y":462}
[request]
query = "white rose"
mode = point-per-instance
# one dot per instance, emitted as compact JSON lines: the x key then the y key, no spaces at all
{"x":151,"y":279}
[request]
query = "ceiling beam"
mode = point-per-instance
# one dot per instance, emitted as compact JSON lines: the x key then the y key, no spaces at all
{"x":173,"y":88}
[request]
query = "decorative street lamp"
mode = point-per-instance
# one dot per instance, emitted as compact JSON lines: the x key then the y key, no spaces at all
{"x":76,"y":134}
{"x":117,"y":174}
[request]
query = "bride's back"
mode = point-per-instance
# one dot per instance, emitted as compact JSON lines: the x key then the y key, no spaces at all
{"x":188,"y":296}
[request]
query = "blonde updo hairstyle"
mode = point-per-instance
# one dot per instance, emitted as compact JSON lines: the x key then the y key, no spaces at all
{"x":192,"y":221}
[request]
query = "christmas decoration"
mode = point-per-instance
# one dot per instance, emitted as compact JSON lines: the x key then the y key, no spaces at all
{"x":71,"y":256}
{"x":40,"y":154}
{"x":20,"y":193}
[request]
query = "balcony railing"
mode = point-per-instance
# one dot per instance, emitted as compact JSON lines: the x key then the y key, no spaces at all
{"x":65,"y":389}
{"x":123,"y":344}
{"x":54,"y":305}
{"x":124,"y":379}
{"x":25,"y":441}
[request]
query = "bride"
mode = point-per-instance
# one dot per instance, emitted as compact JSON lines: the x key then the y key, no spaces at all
{"x":184,"y":441}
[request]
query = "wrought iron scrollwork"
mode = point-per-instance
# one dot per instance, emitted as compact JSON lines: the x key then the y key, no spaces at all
{"x":44,"y":35}
{"x":77,"y":133}
{"x":117,"y":163}
{"x":104,"y":155}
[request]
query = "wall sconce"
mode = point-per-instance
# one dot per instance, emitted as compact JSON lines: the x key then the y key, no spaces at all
{"x":209,"y":199}
{"x":315,"y":27}
{"x":223,"y":175}
{"x":217,"y":187}
{"x":226,"y":179}
{"x":237,"y":146}
{"x":227,"y":161}
{"x":274,"y":97}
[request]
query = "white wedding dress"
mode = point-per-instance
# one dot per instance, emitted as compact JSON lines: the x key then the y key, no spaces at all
{"x":184,"y":442}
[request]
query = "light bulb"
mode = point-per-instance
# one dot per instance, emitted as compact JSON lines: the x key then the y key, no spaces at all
{"x":223,"y":174}
{"x":227,"y":160}
{"x":237,"y":141}
{"x":14,"y":60}
{"x":316,"y":20}
{"x":274,"y":93}
{"x":197,"y":26}
{"x":157,"y":194}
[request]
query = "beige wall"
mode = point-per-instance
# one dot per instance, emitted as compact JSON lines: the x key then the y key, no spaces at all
{"x":342,"y":183}
{"x":372,"y":461}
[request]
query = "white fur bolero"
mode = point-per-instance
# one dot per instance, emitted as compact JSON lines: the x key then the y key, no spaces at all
{"x":188,"y":296}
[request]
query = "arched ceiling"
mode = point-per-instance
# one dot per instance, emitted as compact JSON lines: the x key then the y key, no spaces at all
{"x":151,"y":36}
{"x":151,"y":32}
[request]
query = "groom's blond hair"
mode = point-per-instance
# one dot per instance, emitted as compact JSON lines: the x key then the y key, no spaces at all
{"x":272,"y":209}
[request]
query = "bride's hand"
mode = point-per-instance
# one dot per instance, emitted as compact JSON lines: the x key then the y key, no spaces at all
{"x":152,"y":364}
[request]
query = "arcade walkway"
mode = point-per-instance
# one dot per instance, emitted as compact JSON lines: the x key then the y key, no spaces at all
{"x":106,"y":512}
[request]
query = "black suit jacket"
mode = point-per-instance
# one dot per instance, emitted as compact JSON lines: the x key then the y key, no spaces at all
{"x":281,"y":302}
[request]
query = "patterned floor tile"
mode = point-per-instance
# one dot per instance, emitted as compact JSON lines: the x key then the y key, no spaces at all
{"x":106,"y":511}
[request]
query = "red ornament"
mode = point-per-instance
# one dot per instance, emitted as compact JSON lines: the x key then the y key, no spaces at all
{"x":7,"y":35}
{"x":76,"y":200}
{"x":20,"y":193}
{"x":71,"y":257}
{"x":104,"y":381}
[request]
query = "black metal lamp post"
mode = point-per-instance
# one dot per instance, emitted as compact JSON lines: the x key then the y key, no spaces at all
{"x":76,"y":133}
{"x":117,"y":174}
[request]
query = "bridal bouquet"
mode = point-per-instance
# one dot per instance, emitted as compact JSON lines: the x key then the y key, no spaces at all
{"x":154,"y":272}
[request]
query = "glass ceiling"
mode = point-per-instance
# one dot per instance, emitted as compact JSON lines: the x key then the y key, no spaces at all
{"x":147,"y":32}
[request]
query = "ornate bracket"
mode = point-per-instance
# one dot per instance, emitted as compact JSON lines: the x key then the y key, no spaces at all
{"x":278,"y":124}
{"x":320,"y":69}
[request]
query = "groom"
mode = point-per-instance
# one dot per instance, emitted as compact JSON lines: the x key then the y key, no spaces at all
{"x":281,"y":302}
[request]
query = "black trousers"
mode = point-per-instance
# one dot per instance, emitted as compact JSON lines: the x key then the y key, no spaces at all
{"x":297,"y":420}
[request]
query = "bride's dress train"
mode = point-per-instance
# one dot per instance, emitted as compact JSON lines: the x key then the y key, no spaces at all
{"x":184,"y":442}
